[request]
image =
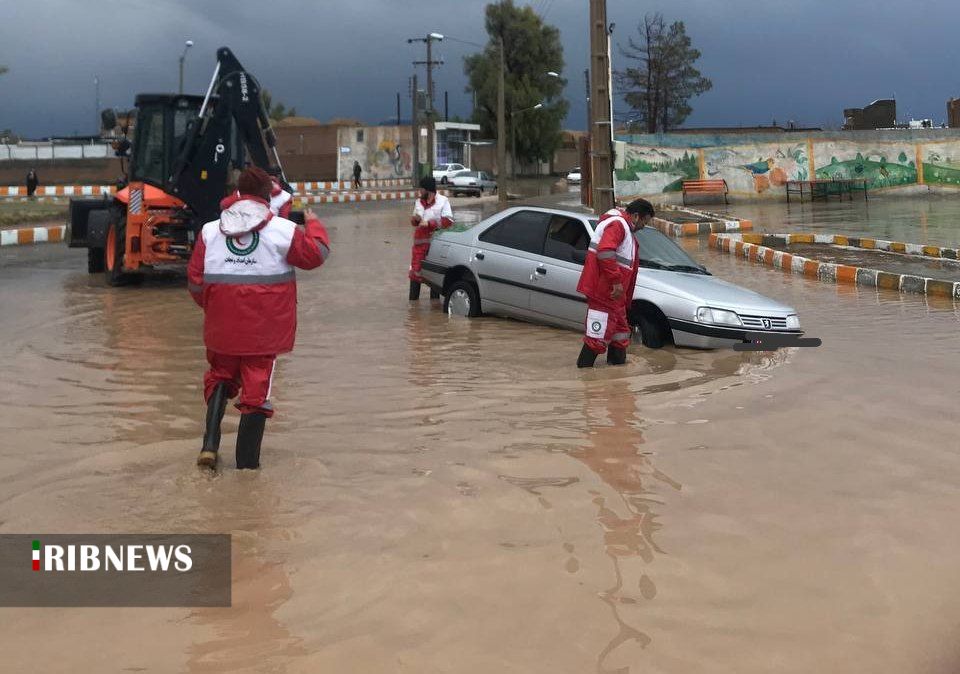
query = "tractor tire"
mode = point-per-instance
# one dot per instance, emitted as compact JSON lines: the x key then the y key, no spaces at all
{"x":113,"y":252}
{"x":95,"y":260}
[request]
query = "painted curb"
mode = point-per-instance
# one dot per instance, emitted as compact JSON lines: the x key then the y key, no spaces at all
{"x":354,"y":197}
{"x":29,"y":235}
{"x":99,"y":190}
{"x":863,"y":243}
{"x":753,"y":248}
{"x":714,"y":223}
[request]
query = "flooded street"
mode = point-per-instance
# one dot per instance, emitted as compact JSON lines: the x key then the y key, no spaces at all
{"x":452,"y":495}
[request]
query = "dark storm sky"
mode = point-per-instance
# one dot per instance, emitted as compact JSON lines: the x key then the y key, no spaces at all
{"x":803,"y":59}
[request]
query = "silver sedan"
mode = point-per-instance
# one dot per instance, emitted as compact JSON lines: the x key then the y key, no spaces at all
{"x":525,"y":263}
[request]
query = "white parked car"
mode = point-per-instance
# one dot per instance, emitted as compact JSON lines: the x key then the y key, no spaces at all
{"x":443,"y":172}
{"x":473,"y":182}
{"x":574,"y":176}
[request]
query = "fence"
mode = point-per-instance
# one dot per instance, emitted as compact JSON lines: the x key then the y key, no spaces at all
{"x":55,"y":151}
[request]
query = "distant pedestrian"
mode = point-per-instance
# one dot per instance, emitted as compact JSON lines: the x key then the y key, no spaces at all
{"x":32,"y":182}
{"x":356,"y":175}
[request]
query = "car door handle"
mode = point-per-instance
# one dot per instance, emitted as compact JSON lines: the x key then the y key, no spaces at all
{"x":541,"y":270}
{"x":479,"y":256}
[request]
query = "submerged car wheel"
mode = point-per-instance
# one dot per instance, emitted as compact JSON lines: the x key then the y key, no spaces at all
{"x":652,"y":325}
{"x":462,"y":299}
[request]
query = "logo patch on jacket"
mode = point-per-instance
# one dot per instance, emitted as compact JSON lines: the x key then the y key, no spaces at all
{"x":236,"y":246}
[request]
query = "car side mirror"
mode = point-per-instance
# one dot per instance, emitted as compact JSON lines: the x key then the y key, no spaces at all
{"x":579,"y":256}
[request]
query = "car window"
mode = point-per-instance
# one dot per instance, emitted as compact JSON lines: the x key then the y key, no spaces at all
{"x":524,"y":231}
{"x":657,"y":248}
{"x":564,"y":236}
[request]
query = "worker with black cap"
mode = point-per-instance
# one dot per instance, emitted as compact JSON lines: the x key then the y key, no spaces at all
{"x":431,"y":212}
{"x":608,"y":278}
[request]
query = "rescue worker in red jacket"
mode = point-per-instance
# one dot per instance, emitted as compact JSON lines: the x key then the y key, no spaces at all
{"x":281,"y":201}
{"x":431,"y":212}
{"x":242,"y":274}
{"x":608,"y":278}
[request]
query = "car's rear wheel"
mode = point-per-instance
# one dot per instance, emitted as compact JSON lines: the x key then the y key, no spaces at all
{"x":462,"y":299}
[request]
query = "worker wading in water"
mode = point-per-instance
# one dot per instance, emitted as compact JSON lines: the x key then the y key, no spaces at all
{"x":431,"y":212}
{"x":242,"y":274}
{"x":608,"y":278}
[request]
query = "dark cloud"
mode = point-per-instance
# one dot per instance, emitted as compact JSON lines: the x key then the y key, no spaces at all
{"x":802,"y":60}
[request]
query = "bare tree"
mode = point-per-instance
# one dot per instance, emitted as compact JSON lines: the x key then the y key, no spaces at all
{"x":659,"y":89}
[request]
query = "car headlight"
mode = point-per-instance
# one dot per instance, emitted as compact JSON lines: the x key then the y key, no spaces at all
{"x":793,"y":322}
{"x":717,"y":316}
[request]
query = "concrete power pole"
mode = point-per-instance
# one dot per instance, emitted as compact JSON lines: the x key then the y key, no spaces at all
{"x":601,"y":139}
{"x":430,"y":63}
{"x":501,"y":133}
{"x":415,"y":124}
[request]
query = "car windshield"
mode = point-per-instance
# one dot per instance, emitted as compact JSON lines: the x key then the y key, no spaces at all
{"x":657,"y":251}
{"x":443,"y":167}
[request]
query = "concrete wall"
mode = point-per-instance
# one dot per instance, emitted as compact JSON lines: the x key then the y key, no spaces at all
{"x":62,"y":172}
{"x":383,"y":151}
{"x":757,"y":166}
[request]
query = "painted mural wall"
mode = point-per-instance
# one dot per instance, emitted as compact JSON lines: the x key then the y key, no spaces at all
{"x":941,"y":164}
{"x":383,"y":151}
{"x":758,"y":166}
{"x":880,"y":164}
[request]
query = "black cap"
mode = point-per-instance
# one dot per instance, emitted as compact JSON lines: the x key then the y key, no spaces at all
{"x":640,"y":207}
{"x":428,"y":183}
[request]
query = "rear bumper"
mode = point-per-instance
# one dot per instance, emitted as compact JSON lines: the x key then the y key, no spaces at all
{"x":698,"y":335}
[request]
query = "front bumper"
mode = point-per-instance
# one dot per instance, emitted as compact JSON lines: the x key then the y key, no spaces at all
{"x":700,"y":336}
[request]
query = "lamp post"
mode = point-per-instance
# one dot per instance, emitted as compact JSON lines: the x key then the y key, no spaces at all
{"x":430,"y":63}
{"x":513,"y":132}
{"x":183,"y":57}
{"x":513,"y":137}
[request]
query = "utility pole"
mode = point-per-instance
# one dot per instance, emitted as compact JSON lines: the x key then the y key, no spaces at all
{"x":96,"y":108}
{"x":430,"y":63}
{"x":586,"y":79}
{"x":398,"y":108}
{"x":501,"y":133}
{"x":601,"y":139}
{"x":415,"y":123}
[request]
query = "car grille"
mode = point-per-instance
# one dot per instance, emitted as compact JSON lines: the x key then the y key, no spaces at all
{"x":757,"y":322}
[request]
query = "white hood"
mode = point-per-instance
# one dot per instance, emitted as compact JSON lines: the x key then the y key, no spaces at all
{"x":243,"y":216}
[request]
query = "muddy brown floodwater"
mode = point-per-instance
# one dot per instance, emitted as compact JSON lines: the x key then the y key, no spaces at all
{"x":451,"y":495}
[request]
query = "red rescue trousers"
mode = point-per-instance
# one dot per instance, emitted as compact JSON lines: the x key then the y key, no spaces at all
{"x":606,"y":324}
{"x":418,"y":253}
{"x":250,"y":376}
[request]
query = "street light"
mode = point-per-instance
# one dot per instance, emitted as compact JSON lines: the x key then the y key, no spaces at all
{"x":513,"y":137}
{"x":183,"y":56}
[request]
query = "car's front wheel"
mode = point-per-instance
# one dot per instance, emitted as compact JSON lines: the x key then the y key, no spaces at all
{"x":652,"y":324}
{"x":462,"y":299}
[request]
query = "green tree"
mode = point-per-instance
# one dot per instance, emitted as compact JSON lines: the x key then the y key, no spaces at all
{"x":531,"y":50}
{"x":275,"y":111}
{"x":660,"y":87}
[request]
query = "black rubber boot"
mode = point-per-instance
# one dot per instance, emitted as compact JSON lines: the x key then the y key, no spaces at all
{"x":587,"y":357}
{"x":414,"y":290}
{"x":616,"y":355}
{"x":248,"y":439}
{"x":211,"y":436}
{"x":434,"y":294}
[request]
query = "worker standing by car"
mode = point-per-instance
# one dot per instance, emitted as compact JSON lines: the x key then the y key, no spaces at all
{"x":431,"y":212}
{"x":242,"y":274}
{"x":608,"y":278}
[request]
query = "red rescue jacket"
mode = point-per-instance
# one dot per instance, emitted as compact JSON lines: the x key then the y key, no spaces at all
{"x":613,"y":258}
{"x":242,"y":274}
